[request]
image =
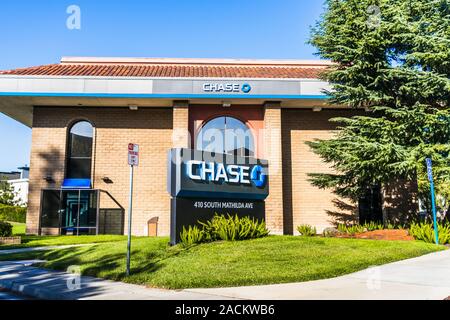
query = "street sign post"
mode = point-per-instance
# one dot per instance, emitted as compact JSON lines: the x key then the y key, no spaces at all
{"x":133,"y":160}
{"x":433,"y":200}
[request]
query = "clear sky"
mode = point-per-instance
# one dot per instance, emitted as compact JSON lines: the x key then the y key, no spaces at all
{"x":35,"y":33}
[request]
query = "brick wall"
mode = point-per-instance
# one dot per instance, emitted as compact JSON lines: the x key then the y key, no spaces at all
{"x":151,"y":128}
{"x":272,"y":152}
{"x":302,"y":202}
{"x":181,"y":138}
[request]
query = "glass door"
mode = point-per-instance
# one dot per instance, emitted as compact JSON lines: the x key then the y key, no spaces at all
{"x":79,"y":212}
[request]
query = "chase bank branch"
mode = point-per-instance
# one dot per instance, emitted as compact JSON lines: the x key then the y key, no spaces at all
{"x":84,"y":112}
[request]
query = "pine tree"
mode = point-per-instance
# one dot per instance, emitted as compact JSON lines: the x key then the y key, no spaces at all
{"x":391,"y":57}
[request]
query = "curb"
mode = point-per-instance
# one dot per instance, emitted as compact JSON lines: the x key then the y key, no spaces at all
{"x":31,"y":290}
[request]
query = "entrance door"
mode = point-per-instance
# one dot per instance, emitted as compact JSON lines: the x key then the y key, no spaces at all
{"x":79,"y":212}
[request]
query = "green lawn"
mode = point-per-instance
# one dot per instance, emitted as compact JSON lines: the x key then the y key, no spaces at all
{"x":18,"y":228}
{"x":38,"y":241}
{"x":275,"y":259}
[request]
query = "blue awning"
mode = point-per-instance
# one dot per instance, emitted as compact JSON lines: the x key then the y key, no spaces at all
{"x":76,"y":184}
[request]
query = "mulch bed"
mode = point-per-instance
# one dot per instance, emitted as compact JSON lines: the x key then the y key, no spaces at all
{"x":382,"y":235}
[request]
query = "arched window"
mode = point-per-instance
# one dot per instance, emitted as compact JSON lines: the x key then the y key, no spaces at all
{"x":226,"y":135}
{"x":79,"y":153}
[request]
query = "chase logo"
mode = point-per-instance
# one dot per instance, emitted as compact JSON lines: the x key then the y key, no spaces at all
{"x":258,"y":176}
{"x":246,"y":88}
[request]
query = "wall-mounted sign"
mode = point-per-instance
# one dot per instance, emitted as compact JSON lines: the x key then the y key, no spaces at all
{"x":203,"y":184}
{"x":133,"y":154}
{"x":226,"y":87}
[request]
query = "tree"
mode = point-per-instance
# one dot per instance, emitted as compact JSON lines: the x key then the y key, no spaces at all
{"x":7,"y":194}
{"x":391,"y":57}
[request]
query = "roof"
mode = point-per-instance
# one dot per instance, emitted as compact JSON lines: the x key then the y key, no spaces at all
{"x":177,"y":68}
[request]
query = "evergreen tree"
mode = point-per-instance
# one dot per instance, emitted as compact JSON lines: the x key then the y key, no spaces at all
{"x":391,"y":57}
{"x":7,"y":194}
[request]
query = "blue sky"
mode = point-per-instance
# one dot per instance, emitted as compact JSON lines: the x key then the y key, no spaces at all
{"x":35,"y":33}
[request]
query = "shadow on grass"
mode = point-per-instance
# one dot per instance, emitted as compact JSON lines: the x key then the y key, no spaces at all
{"x":91,"y":262}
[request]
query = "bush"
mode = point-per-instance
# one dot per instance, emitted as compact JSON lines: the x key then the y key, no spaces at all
{"x":226,"y":228}
{"x":13,"y":214}
{"x":234,"y":228}
{"x":425,"y":232}
{"x":191,"y":236}
{"x":307,"y":230}
{"x":372,"y":226}
{"x":5,"y":229}
{"x":351,"y":229}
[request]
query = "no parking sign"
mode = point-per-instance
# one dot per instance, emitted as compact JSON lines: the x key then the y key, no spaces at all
{"x":133,"y":154}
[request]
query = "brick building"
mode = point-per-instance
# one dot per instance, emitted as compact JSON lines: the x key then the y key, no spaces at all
{"x":84,"y":111}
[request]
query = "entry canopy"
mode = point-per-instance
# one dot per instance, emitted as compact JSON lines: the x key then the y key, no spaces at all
{"x":76,"y":184}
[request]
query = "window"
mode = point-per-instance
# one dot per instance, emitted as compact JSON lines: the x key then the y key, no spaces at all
{"x":79,"y":153}
{"x":226,"y":135}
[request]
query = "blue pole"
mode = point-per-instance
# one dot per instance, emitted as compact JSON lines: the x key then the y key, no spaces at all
{"x":433,"y":200}
{"x":433,"y":205}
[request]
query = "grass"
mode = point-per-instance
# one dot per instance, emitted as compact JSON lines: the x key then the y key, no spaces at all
{"x":18,"y":228}
{"x":275,"y":259}
{"x":41,"y":241}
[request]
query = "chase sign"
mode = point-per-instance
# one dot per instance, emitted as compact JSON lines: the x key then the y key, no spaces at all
{"x":194,"y":173}
{"x":226,"y":87}
{"x":203,"y":184}
{"x":226,"y":174}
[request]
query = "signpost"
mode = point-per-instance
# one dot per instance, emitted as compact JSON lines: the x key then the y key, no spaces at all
{"x":433,"y":200}
{"x":133,"y":160}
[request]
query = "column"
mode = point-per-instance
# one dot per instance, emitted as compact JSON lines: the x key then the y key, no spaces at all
{"x":180,"y":136}
{"x":272,"y":152}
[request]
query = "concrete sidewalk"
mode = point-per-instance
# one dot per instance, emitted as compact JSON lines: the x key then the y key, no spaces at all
{"x":20,"y":277}
{"x":422,"y":278}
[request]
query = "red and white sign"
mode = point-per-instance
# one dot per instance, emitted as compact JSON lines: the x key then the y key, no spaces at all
{"x":133,"y":154}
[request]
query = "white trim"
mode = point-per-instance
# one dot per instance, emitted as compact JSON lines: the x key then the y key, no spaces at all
{"x":187,"y":61}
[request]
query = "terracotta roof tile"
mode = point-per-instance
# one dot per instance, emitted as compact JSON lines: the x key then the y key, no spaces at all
{"x":179,"y":69}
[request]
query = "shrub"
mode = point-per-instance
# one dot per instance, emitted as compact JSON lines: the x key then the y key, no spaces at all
{"x":351,"y":229}
{"x":391,"y":226}
{"x":372,"y":226}
{"x":191,"y":236}
{"x":307,"y":230}
{"x":425,"y":232}
{"x":368,"y":226}
{"x":5,"y":229}
{"x":13,"y":214}
{"x":226,"y":228}
{"x":233,"y":228}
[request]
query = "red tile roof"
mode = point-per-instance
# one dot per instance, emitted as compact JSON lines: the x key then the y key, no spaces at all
{"x":177,"y":68}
